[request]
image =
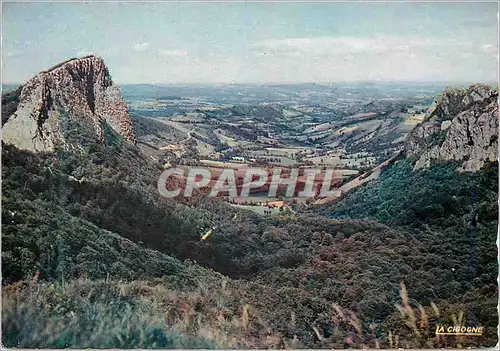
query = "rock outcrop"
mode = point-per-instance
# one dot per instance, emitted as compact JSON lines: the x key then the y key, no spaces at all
{"x":79,"y":90}
{"x":462,"y":126}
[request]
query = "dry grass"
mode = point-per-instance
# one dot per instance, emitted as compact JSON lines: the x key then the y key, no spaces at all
{"x":417,"y":321}
{"x":139,"y":314}
{"x":412,"y":327}
{"x":99,"y":314}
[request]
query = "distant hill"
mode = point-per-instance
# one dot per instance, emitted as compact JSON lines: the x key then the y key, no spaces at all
{"x":9,"y":87}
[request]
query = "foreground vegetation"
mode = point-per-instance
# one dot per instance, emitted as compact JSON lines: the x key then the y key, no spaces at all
{"x":158,"y":313}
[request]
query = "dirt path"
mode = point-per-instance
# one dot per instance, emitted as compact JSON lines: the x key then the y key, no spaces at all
{"x":362,"y":179}
{"x":189,"y":136}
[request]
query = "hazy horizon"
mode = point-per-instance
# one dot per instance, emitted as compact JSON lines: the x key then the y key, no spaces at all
{"x":271,"y":84}
{"x":257,"y":43}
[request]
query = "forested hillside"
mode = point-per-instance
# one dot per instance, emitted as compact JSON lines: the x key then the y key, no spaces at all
{"x":69,"y":218}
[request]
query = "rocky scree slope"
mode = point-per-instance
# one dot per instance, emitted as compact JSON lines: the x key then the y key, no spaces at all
{"x":78,"y":90}
{"x":462,"y":126}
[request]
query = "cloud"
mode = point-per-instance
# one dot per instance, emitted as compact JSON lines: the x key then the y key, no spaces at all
{"x":324,"y":59}
{"x":178,"y":68}
{"x":324,"y":46}
{"x":491,"y":50}
{"x":141,"y":47}
{"x":13,"y":53}
{"x":173,"y":53}
{"x":392,"y":58}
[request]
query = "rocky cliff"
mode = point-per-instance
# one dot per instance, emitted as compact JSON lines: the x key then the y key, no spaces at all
{"x":462,"y":126}
{"x":78,"y":90}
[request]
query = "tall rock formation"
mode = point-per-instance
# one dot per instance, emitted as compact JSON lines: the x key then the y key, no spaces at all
{"x":462,"y":126}
{"x":78,"y":91}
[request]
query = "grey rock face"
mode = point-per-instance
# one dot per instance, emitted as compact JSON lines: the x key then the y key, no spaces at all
{"x":78,"y":89}
{"x":463,"y":126}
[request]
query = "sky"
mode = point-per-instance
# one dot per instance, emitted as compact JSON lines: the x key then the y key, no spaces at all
{"x":207,"y":42}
